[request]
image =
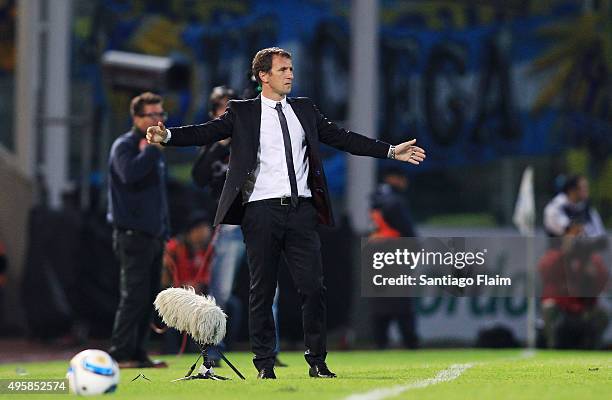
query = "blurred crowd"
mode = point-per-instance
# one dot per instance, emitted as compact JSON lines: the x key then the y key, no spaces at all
{"x":572,"y":270}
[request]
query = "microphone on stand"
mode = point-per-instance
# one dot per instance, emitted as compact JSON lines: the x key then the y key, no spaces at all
{"x":201,"y":318}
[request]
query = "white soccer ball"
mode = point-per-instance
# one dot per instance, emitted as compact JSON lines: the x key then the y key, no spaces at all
{"x":92,"y":372}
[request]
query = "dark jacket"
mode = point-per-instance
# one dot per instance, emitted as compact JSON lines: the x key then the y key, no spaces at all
{"x":137,"y":186}
{"x":241,"y":121}
{"x":395,"y":209}
{"x":210,"y":168}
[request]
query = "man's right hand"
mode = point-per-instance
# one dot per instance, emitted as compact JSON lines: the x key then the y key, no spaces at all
{"x":157,"y":134}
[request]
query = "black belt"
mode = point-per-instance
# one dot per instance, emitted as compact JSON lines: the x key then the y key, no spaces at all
{"x":282,"y":201}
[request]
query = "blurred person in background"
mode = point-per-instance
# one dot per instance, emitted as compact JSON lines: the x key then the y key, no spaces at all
{"x":390,"y":211}
{"x":188,"y":255}
{"x":138,"y":212}
{"x":573,"y":203}
{"x":277,"y":192}
{"x":390,"y":214}
{"x":187,"y":263}
{"x":210,"y":169}
{"x":252,"y":88}
{"x":573,"y":275}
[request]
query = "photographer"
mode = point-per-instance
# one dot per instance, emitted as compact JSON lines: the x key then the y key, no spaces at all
{"x":573,"y":275}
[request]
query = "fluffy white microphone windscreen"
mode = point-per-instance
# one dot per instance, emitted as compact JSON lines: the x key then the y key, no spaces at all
{"x":199,"y":316}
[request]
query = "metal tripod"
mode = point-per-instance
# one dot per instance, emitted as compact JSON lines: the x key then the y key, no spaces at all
{"x":206,"y":369}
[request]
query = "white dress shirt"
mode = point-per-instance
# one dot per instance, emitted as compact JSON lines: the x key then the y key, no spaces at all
{"x":556,"y":219}
{"x":271,"y":174}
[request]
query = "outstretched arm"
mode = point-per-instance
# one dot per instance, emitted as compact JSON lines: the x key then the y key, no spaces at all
{"x":193,"y":135}
{"x":354,"y":143}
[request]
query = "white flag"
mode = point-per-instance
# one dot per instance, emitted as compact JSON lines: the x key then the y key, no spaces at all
{"x":524,"y":211}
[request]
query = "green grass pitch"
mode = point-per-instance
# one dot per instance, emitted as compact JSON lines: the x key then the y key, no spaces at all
{"x":422,"y":374}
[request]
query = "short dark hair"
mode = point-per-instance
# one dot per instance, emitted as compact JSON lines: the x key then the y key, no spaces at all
{"x":196,"y":218}
{"x":219,"y":93}
{"x":572,"y":183}
{"x":262,"y":62}
{"x":137,"y":104}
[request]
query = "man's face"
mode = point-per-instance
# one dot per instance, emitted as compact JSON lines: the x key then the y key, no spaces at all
{"x":582,"y":190}
{"x":151,"y":115}
{"x":200,"y":234}
{"x":280,"y":77}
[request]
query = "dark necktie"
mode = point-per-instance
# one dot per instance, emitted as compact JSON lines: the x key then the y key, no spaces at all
{"x":288,"y":155}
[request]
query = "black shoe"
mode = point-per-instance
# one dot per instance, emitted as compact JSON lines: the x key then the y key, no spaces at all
{"x":266,"y":373}
{"x":146,"y":362}
{"x":321,"y":371}
{"x":279,"y":363}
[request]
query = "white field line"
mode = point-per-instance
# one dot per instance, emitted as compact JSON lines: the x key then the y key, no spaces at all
{"x":446,"y":375}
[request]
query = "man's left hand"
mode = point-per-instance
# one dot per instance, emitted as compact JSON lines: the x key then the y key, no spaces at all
{"x":407,"y":152}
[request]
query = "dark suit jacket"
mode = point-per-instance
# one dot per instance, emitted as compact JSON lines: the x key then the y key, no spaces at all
{"x":242,"y":121}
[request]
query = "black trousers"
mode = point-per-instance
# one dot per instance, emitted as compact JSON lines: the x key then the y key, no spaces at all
{"x":140,"y":257}
{"x":272,"y":230}
{"x":385,"y":310}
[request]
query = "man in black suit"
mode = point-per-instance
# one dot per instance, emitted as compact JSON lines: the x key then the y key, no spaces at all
{"x":276,"y":190}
